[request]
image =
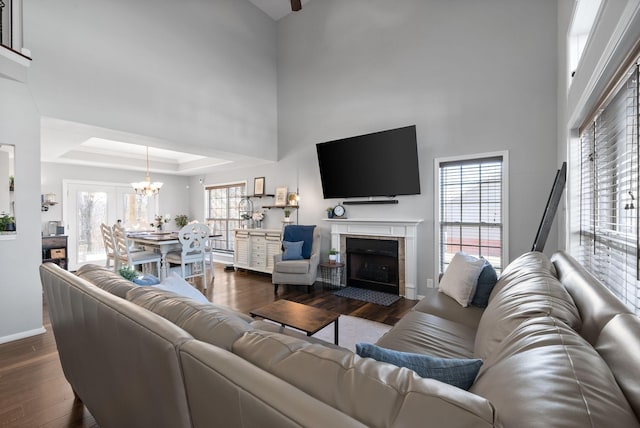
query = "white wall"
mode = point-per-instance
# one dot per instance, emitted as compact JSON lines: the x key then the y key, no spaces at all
{"x":20,"y":290}
{"x":199,"y":74}
{"x":473,"y":76}
{"x":173,"y":198}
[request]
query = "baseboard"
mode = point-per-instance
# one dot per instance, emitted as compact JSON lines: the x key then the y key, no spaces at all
{"x":22,"y":335}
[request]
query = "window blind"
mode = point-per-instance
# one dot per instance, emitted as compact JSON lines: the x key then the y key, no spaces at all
{"x":608,"y":188}
{"x":471,"y":209}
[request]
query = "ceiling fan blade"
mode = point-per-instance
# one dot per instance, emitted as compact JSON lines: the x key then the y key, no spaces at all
{"x":296,"y":5}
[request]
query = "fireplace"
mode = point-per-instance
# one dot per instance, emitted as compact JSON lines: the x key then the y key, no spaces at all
{"x":373,"y":264}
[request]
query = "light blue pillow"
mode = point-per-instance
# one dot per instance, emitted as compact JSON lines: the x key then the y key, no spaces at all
{"x":486,"y":281}
{"x":146,"y":279}
{"x":176,"y":284}
{"x":454,"y":371}
{"x":292,"y":250}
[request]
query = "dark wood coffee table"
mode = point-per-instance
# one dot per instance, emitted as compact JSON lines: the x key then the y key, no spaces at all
{"x":299,"y":316}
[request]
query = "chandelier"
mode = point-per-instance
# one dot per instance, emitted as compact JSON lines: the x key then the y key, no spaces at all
{"x":147,"y":188}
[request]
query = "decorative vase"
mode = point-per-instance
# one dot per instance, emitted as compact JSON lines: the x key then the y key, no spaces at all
{"x":258,"y":224}
{"x":333,"y":258}
{"x":330,"y":214}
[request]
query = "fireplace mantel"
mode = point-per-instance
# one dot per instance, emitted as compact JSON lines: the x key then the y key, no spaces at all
{"x":392,"y":228}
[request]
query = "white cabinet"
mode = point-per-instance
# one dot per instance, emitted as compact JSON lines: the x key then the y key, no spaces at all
{"x":255,"y":248}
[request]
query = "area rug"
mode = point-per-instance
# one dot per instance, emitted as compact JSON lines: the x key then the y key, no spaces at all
{"x":371,"y":296}
{"x":352,"y":330}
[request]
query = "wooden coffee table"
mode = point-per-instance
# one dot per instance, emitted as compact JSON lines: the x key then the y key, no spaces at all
{"x":299,"y":316}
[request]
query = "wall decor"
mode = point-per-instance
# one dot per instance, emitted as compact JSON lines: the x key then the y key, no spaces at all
{"x":281,"y":196}
{"x":258,"y":186}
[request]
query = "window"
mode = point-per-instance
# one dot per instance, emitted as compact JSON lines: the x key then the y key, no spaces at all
{"x":606,"y":218}
{"x":223,"y":215}
{"x":471,"y":208}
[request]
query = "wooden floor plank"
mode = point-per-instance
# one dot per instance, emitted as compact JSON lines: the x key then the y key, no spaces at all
{"x":35,"y":393}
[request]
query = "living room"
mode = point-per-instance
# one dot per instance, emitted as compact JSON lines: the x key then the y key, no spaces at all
{"x":456,"y":79}
{"x":223,"y":79}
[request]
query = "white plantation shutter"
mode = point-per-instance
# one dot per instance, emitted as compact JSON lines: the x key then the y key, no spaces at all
{"x":471,"y":209}
{"x":608,"y":191}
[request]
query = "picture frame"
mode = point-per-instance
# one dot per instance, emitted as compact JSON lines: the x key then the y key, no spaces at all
{"x":281,"y":197}
{"x":258,"y":186}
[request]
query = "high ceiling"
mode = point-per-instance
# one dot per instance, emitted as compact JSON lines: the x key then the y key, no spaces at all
{"x":276,"y":9}
{"x":81,"y":144}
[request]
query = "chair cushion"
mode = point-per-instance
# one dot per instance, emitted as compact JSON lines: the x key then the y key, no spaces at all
{"x":292,"y":266}
{"x":140,"y":256}
{"x":292,"y":250}
{"x":296,"y":232}
{"x":454,"y":371}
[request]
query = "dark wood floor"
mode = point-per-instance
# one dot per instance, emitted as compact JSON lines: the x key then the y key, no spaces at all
{"x":34,"y":392}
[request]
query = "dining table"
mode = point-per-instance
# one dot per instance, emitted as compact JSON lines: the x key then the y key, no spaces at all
{"x":163,"y":242}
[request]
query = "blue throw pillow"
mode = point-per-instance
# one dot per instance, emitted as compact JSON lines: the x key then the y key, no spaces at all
{"x":295,"y":233}
{"x":486,"y":281}
{"x":292,"y":250}
{"x":146,"y":279}
{"x":454,"y":371}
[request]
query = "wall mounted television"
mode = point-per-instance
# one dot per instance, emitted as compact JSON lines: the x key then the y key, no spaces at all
{"x":383,"y":163}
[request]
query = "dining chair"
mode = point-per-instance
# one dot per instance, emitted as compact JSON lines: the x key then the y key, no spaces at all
{"x":193,"y":238}
{"x":124,"y":255}
{"x":109,"y":245}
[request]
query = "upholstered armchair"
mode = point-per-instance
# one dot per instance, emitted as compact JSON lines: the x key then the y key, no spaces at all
{"x":298,"y":263}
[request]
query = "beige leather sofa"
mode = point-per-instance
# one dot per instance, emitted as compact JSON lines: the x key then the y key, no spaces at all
{"x":559,"y":351}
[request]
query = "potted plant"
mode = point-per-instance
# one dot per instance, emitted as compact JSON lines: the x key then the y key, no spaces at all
{"x":287,"y":216}
{"x":333,"y":255}
{"x":11,"y":183}
{"x":128,"y":272}
{"x":181,"y":220}
{"x":330,"y":212}
{"x":7,"y":223}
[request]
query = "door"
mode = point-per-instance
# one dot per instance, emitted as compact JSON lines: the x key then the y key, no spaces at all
{"x":89,"y":204}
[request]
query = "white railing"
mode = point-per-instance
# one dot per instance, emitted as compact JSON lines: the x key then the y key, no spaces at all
{"x":11,"y":24}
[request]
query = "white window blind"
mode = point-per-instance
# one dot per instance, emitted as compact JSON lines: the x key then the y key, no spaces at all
{"x":471,"y":209}
{"x":608,"y":188}
{"x":223,"y":215}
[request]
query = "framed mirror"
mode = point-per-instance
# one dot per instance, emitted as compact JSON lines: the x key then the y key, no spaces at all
{"x":7,"y":188}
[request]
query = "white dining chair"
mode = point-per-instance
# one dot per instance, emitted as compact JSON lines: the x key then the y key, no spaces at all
{"x":109,"y":245}
{"x":124,"y":255}
{"x":193,"y":238}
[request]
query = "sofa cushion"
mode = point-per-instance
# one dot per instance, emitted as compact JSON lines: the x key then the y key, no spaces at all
{"x":486,"y":281}
{"x":455,"y":371}
{"x":292,"y":250}
{"x":292,"y":266}
{"x":174,"y":283}
{"x":521,"y":298}
{"x":428,"y":334}
{"x":443,"y":306}
{"x":211,"y":323}
{"x":106,"y":279}
{"x":597,"y":304}
{"x":528,"y":265}
{"x":461,"y":278}
{"x":386,"y":395}
{"x":146,"y":279}
{"x":619,"y":345}
{"x":543,"y":373}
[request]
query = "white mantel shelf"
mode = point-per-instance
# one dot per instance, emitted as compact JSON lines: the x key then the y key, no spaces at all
{"x":385,"y":227}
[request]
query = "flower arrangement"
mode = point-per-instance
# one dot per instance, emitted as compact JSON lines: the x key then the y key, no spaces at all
{"x":160,"y":220}
{"x":258,"y":216}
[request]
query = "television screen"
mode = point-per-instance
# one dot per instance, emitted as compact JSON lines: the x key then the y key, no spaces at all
{"x":379,"y":164}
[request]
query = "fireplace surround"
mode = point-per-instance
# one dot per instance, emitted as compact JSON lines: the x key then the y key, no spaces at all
{"x":404,"y":231}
